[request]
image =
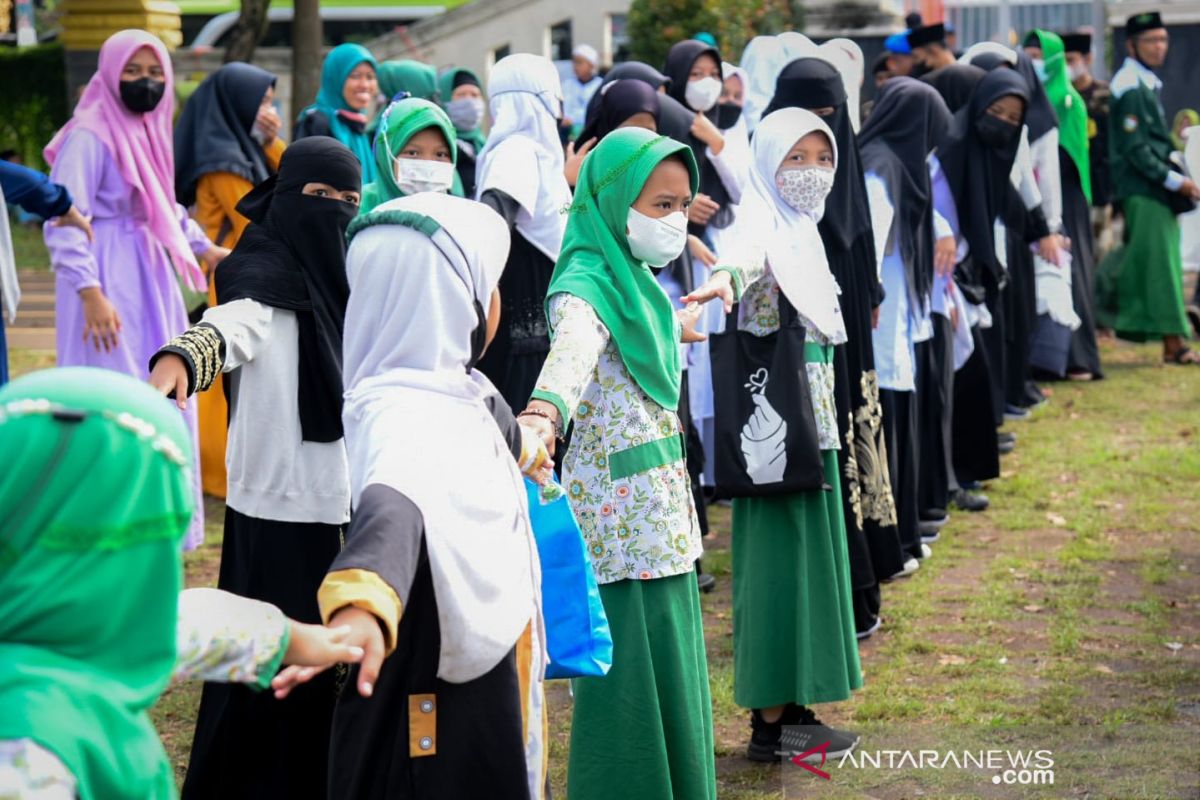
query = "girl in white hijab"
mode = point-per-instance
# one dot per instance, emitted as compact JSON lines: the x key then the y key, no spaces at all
{"x":439,"y":570}
{"x":520,"y":176}
{"x":794,"y":635}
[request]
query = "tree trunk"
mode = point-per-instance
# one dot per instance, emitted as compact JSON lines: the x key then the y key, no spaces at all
{"x":249,"y":31}
{"x":306,"y":54}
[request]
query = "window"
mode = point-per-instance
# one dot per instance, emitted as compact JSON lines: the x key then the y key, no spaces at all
{"x":560,"y":41}
{"x":500,"y":52}
{"x":618,"y":37}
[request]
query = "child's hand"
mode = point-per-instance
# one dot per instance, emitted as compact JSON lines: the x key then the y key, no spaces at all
{"x":362,"y":634}
{"x":318,"y":646}
{"x":170,"y":376}
{"x":688,"y":318}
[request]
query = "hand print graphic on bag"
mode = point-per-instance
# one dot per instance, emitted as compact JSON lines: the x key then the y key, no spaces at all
{"x":764,"y":436}
{"x":766,"y":439}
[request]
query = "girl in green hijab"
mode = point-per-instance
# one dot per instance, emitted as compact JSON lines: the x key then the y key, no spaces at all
{"x":348,"y":88}
{"x":95,"y":506}
{"x":1081,"y":359}
{"x":462,"y":97}
{"x":414,"y":152}
{"x":614,"y":371}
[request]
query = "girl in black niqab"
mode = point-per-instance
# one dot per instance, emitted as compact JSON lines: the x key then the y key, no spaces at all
{"x":869,"y":504}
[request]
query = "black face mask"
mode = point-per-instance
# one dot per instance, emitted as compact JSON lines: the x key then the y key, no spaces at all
{"x":995,"y":132}
{"x":142,"y":95}
{"x":728,"y":115}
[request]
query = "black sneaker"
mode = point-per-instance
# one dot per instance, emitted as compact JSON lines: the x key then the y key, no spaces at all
{"x":1006,"y":436}
{"x":1015,"y":413}
{"x":765,"y":736}
{"x":968,"y":501}
{"x":803,"y":731}
{"x":705,"y":582}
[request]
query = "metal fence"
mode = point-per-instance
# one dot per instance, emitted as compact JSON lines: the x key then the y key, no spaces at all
{"x":983,"y":20}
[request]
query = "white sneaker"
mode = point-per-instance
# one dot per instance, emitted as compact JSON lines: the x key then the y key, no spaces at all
{"x":926,"y":550}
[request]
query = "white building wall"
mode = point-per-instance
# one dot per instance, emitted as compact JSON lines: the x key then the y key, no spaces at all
{"x":470,"y":35}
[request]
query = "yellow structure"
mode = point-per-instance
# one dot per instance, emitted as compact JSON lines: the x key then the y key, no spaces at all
{"x":87,"y":23}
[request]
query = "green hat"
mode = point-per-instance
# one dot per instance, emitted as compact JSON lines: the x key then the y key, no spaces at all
{"x":595,"y":262}
{"x":96,"y":497}
{"x":414,"y":77}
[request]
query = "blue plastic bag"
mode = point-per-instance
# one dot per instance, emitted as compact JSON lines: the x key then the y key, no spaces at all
{"x":577,"y":635}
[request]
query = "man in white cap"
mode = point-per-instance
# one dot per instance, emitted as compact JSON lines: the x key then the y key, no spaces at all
{"x":578,"y":89}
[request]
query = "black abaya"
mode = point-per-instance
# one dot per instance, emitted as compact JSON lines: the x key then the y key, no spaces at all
{"x":900,"y":432}
{"x":248,"y":744}
{"x":976,"y":455}
{"x":1084,"y":355}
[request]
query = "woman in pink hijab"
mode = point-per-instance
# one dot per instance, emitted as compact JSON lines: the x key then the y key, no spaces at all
{"x":118,"y":297}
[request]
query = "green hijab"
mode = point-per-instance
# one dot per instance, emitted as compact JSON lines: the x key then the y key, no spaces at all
{"x":95,"y":499}
{"x":339,"y":63}
{"x":596,"y":265}
{"x":1068,"y":105}
{"x":399,"y":123}
{"x":476,"y":137}
{"x":419,"y":80}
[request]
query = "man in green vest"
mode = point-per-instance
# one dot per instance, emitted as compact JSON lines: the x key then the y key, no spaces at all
{"x":1149,"y":190}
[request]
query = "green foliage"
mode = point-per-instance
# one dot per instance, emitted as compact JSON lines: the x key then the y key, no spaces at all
{"x":655,"y":25}
{"x":33,"y":104}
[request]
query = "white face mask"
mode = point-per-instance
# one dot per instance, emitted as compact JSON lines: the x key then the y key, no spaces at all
{"x":659,"y":241}
{"x":804,"y":188}
{"x":416,"y":175}
{"x":1077,"y":71}
{"x":1039,"y":66}
{"x":466,"y":113}
{"x":703,"y":94}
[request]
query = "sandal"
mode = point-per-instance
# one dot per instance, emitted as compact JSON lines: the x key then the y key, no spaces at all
{"x":1184,"y":356}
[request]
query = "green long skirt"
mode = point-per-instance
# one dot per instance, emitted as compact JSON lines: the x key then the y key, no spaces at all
{"x":793,"y":617}
{"x":1150,"y":283}
{"x":645,"y":730}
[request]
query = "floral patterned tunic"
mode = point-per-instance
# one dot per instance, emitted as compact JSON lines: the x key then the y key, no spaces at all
{"x":625,"y":471}
{"x":758,"y":313}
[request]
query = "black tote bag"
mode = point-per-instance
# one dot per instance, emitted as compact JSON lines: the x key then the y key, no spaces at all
{"x":766,"y":439}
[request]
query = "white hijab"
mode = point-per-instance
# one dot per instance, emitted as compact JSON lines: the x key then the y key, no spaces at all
{"x":523,"y":156}
{"x":848,"y":58}
{"x":415,"y":419}
{"x":795,"y":252}
{"x":1007,"y":53}
{"x":797,"y":45}
{"x":762,"y":60}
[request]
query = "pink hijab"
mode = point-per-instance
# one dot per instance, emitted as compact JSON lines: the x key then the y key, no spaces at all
{"x":140,"y":144}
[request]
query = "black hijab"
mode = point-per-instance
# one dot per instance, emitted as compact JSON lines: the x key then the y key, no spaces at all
{"x":213,"y":134}
{"x":955,"y":83}
{"x":626,"y":70}
{"x":680,"y":59}
{"x":814,"y":83}
{"x":978,"y":175}
{"x":293,"y":256}
{"x":1040,"y":117}
{"x":620,"y":100}
{"x":905,"y":126}
{"x":675,"y":121}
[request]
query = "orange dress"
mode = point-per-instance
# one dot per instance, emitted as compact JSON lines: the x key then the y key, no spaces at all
{"x":217,"y":196}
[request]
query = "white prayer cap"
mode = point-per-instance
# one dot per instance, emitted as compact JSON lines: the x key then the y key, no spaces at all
{"x":588,"y":52}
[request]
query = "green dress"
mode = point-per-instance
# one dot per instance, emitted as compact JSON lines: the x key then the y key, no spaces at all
{"x":645,"y":729}
{"x":1147,"y":286}
{"x":793,"y":615}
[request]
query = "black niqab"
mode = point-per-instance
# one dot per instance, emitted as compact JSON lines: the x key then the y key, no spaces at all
{"x":293,"y":256}
{"x":812,"y":83}
{"x":905,"y":126}
{"x":619,"y":101}
{"x":979,"y":175}
{"x":1040,"y":117}
{"x":213,"y":134}
{"x":955,"y":83}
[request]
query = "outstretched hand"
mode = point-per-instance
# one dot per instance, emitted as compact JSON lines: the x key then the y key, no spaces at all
{"x":169,"y":376}
{"x":720,"y":284}
{"x":364,"y":635}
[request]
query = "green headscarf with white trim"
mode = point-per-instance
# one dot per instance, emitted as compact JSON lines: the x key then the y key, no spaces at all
{"x":95,"y":499}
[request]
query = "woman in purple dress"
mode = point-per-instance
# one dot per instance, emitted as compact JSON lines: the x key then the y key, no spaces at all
{"x":118,"y":297}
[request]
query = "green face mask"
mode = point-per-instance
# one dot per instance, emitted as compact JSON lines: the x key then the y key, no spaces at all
{"x":96,"y":499}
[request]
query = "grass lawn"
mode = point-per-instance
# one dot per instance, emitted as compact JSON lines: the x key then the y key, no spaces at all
{"x":1063,"y":619}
